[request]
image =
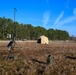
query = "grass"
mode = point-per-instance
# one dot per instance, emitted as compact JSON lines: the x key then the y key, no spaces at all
{"x":32,"y":59}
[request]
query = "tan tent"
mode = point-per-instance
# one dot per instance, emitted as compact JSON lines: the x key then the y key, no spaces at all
{"x":42,"y":40}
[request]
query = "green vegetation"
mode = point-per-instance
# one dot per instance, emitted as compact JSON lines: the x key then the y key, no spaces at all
{"x":27,"y":31}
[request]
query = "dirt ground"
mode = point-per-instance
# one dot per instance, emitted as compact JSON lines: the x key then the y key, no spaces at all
{"x":30,"y":58}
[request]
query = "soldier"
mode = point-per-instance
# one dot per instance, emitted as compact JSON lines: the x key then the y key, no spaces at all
{"x":49,"y":59}
{"x":10,"y":47}
{"x":10,"y":44}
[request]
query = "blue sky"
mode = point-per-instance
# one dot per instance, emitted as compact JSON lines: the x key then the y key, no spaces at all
{"x":56,"y":14}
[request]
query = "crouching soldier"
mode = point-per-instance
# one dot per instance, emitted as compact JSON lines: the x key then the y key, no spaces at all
{"x":49,"y":60}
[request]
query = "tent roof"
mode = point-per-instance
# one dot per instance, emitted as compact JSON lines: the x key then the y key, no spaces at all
{"x":42,"y":36}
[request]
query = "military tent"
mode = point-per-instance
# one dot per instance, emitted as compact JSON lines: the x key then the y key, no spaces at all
{"x":42,"y":40}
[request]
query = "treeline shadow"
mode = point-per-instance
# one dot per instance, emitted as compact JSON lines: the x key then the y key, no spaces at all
{"x":40,"y":62}
{"x":71,"y":57}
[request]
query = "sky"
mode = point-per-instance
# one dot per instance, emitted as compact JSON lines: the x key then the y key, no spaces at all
{"x":56,"y":14}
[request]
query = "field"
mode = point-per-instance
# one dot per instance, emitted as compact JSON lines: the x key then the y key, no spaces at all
{"x":30,"y":58}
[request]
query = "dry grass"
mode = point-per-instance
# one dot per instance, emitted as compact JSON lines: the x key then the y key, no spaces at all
{"x":32,"y":59}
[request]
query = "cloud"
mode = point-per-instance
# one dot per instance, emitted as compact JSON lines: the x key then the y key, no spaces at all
{"x":46,"y":16}
{"x":47,"y":1}
{"x":67,"y":20}
{"x":58,"y":18}
{"x":67,"y":5}
{"x":74,"y":11}
{"x":58,"y":23}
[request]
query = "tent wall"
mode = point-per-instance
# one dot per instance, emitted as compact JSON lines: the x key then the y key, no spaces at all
{"x":43,"y":40}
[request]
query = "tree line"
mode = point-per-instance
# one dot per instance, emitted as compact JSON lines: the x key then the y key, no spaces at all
{"x":27,"y":31}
